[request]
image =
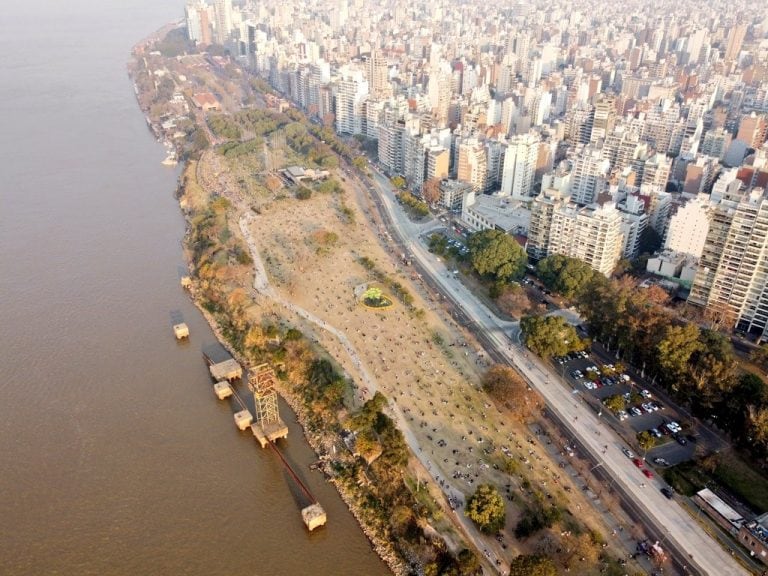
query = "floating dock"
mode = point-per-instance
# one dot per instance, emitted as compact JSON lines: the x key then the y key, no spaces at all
{"x":269,"y":432}
{"x":227,"y":370}
{"x":222,"y":390}
{"x":314,"y":516}
{"x":243,"y":419}
{"x":181,"y":331}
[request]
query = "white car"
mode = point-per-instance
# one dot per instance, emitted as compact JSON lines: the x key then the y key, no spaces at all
{"x":645,"y":394}
{"x":622,"y":414}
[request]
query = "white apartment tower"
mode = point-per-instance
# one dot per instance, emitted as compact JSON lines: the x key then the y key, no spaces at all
{"x":688,"y":227}
{"x":588,"y":176}
{"x":591,"y":234}
{"x":520,"y":166}
{"x":351,"y":92}
{"x":222,"y":14}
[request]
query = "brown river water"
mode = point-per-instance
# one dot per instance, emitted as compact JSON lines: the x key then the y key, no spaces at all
{"x":115,"y":456}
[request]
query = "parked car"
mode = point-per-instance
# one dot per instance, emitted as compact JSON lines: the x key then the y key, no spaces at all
{"x":655,"y":433}
{"x":660,"y":462}
{"x":680,"y":439}
{"x":645,"y":394}
{"x":635,"y":410}
{"x":622,"y":415}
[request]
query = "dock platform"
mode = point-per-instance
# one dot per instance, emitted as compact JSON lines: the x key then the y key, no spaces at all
{"x":269,"y":432}
{"x":181,"y":331}
{"x":243,"y":419}
{"x":222,"y":389}
{"x":314,"y":516}
{"x":227,"y":370}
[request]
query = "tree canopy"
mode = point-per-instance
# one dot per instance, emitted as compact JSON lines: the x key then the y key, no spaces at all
{"x":486,"y":509}
{"x":497,"y":256}
{"x":564,"y":275}
{"x":529,"y":565}
{"x":550,"y":336}
{"x":506,"y":385}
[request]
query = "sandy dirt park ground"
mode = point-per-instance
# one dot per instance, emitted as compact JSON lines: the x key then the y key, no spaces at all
{"x":309,"y":251}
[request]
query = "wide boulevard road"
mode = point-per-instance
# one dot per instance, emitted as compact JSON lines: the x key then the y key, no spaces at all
{"x":697,"y":552}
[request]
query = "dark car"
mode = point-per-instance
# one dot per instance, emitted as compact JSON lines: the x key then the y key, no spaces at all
{"x":668,"y":492}
{"x":680,"y":439}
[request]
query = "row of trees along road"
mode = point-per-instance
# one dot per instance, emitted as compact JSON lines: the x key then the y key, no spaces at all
{"x":697,"y":366}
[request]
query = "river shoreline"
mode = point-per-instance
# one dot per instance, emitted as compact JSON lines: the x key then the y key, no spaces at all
{"x":382,"y":547}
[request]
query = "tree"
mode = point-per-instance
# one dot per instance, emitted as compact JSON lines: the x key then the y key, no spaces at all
{"x":645,"y":440}
{"x":506,"y":385}
{"x":528,"y":565}
{"x":467,"y":563}
{"x":760,"y":356}
{"x":430,"y":191}
{"x":564,"y":275}
{"x":650,"y":241}
{"x":615,"y":403}
{"x":675,"y":350}
{"x":513,"y":300}
{"x":486,"y":509}
{"x":497,"y":256}
{"x":757,"y":429}
{"x":360,"y":163}
{"x":549,"y":336}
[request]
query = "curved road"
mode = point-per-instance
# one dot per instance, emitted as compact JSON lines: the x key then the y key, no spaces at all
{"x":703,"y":554}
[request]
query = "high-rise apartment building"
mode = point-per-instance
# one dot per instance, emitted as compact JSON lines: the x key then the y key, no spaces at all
{"x":520,"y":161}
{"x":588,"y":177}
{"x":591,"y":234}
{"x":222,"y":14}
{"x":351,"y":92}
{"x":732,"y":278}
{"x":688,"y":227}
{"x":735,"y":39}
{"x":378,"y":75}
{"x":472,"y":164}
{"x":752,"y":130}
{"x":603,"y":118}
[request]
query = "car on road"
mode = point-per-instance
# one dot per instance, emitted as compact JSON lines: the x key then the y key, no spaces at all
{"x":627,"y":452}
{"x":647,"y":473}
{"x":668,"y":492}
{"x":637,"y":462}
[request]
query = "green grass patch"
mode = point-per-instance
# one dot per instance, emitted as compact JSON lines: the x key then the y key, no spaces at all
{"x":743,"y":480}
{"x":731,"y":473}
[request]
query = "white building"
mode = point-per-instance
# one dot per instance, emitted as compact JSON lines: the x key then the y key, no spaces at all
{"x":351,"y":92}
{"x":520,"y":166}
{"x":688,"y":227}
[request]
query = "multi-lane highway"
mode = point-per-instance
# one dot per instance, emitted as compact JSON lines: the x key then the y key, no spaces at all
{"x":695,"y":551}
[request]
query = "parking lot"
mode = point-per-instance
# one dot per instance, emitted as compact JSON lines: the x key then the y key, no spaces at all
{"x":642,"y":412}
